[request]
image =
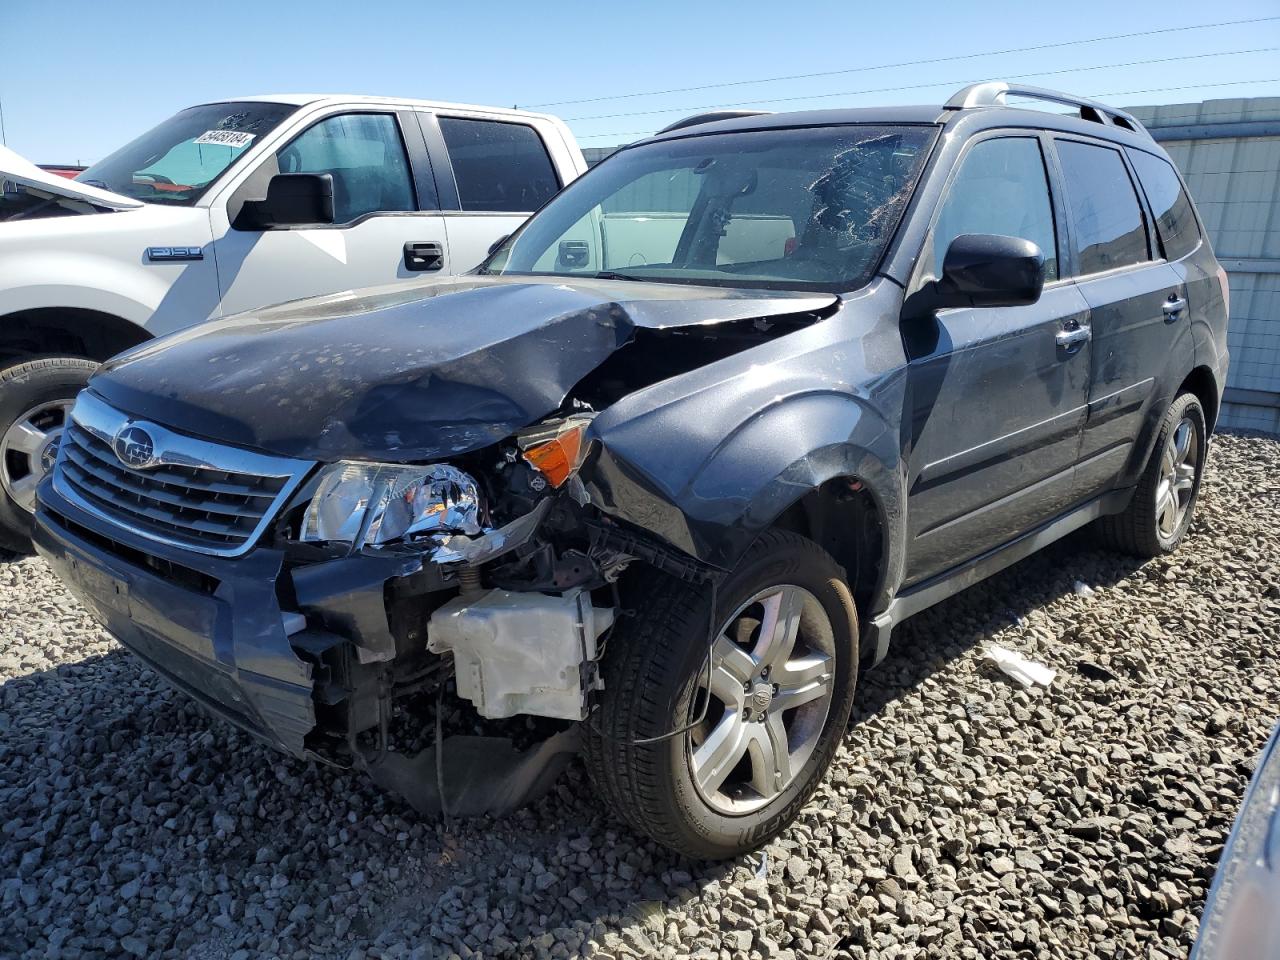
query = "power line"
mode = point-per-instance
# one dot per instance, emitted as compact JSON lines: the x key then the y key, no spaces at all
{"x":1189,"y":86}
{"x":1119,"y":93}
{"x":914,"y":63}
{"x":918,"y":86}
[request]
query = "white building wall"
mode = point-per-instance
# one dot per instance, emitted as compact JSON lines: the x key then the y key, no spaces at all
{"x":1229,"y":153}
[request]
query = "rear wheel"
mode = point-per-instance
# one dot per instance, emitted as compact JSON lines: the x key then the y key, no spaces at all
{"x":35,"y":401}
{"x":1162,"y":507}
{"x":758,"y":728}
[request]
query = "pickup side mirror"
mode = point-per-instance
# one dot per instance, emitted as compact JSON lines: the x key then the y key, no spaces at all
{"x":293,"y":199}
{"x":988,"y":270}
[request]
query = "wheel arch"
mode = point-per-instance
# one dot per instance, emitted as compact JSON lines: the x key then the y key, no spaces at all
{"x":844,"y":517}
{"x":1202,"y":382}
{"x":70,"y":331}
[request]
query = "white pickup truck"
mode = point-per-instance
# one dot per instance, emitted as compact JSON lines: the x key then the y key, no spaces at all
{"x":230,"y":206}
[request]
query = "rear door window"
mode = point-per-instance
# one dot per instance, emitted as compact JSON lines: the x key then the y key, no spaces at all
{"x":366,"y":157}
{"x":1109,"y":231}
{"x":1001,"y":188}
{"x":1175,"y":221}
{"x":499,"y":167}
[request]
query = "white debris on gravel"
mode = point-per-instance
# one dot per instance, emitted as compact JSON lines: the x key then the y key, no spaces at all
{"x":964,"y":817}
{"x":1026,"y":672}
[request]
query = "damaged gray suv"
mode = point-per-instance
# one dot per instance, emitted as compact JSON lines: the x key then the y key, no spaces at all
{"x":669,"y":467}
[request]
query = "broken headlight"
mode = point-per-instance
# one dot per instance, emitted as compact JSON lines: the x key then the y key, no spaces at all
{"x":374,"y":504}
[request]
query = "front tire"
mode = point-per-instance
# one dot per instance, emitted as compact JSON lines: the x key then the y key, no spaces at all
{"x":35,"y":401}
{"x":782,"y":682}
{"x":1161,"y":510}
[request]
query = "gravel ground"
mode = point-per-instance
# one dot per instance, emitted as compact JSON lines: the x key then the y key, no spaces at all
{"x":964,"y":816}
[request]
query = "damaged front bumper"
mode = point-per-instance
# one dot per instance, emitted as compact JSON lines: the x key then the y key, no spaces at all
{"x":214,"y":627}
{"x":313,"y":656}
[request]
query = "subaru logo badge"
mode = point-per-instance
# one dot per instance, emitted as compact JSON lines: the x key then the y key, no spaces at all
{"x":134,"y":447}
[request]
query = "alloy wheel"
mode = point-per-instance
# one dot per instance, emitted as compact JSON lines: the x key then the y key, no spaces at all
{"x":1178,"y":466}
{"x":771,"y":686}
{"x":29,"y":448}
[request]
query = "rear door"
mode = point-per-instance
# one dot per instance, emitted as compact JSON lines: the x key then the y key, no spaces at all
{"x":1137,"y":303}
{"x":387,"y":223}
{"x":1183,"y":245}
{"x":998,"y":394}
{"x":492,"y":175}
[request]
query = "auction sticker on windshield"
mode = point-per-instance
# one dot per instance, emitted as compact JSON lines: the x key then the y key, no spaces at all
{"x":225,"y":138}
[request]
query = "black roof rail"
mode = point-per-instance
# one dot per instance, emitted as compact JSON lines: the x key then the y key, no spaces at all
{"x":994,"y":93}
{"x":711,"y":117}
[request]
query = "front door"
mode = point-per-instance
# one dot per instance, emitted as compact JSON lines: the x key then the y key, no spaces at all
{"x":997,"y":394}
{"x":387,"y":226}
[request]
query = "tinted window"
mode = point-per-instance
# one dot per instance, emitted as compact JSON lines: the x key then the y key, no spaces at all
{"x":791,"y":209}
{"x":498,"y":166}
{"x":1001,"y":188}
{"x":1107,"y":220}
{"x":366,"y":156}
{"x":175,"y":162}
{"x":1174,"y":219}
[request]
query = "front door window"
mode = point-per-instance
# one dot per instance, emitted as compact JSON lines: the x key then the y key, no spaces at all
{"x":366,"y":157}
{"x":1001,"y":188}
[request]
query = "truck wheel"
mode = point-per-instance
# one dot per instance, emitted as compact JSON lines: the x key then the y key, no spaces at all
{"x":35,"y":400}
{"x":1160,"y":512}
{"x":783,"y":670}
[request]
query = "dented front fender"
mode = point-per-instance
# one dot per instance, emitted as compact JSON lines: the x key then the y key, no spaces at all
{"x":711,"y":459}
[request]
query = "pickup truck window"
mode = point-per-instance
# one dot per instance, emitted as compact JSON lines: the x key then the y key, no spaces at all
{"x":790,"y":209}
{"x":175,"y":162}
{"x":365,"y":155}
{"x":499,"y":167}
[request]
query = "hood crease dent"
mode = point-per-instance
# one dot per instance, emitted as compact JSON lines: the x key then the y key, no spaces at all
{"x":413,"y":374}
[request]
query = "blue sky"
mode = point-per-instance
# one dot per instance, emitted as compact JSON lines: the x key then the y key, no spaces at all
{"x":78,"y":79}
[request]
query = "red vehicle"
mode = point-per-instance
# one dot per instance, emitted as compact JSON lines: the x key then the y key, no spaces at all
{"x":70,"y":171}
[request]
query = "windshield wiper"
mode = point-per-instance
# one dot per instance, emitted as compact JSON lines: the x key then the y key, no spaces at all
{"x":614,"y":275}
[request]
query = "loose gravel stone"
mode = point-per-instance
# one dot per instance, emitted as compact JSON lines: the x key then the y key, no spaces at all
{"x":964,"y":816}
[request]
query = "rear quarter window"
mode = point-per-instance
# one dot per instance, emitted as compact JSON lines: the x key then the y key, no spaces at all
{"x":1175,"y":220}
{"x":1107,"y":219}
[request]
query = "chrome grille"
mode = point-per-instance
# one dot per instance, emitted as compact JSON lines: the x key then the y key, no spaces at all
{"x":194,"y":494}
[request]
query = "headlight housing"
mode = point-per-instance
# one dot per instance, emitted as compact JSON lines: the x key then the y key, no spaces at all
{"x":375,"y":504}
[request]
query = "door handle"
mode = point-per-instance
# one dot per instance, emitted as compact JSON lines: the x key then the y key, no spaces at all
{"x":1073,"y":338}
{"x":1173,"y":308}
{"x":423,"y":256}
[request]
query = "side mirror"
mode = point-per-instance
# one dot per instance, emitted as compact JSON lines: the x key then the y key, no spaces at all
{"x":493,"y":247}
{"x":293,"y":199}
{"x":988,"y":270}
{"x":573,"y":254}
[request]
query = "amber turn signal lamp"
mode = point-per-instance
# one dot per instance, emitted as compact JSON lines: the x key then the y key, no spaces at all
{"x":558,"y":458}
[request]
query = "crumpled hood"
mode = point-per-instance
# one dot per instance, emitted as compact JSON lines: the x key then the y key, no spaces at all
{"x":18,"y":168}
{"x":407,"y":374}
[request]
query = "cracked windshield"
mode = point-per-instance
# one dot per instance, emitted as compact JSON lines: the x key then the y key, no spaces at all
{"x":811,"y":208}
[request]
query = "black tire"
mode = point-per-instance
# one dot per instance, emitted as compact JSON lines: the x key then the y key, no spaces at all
{"x":1137,"y":530}
{"x":653,"y":669}
{"x":26,"y":386}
